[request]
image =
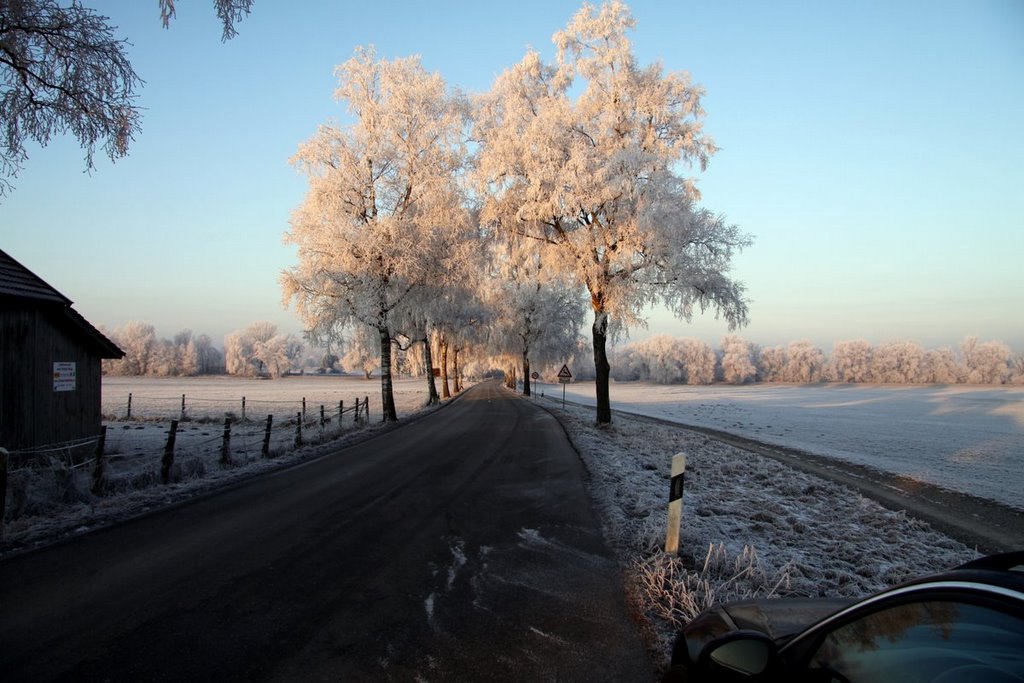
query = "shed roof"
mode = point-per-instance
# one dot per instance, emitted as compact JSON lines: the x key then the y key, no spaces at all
{"x":18,"y":282}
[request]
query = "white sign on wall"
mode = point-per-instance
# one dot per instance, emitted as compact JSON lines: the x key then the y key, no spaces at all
{"x":64,"y":376}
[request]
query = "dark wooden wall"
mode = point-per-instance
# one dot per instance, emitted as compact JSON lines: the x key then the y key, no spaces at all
{"x":32,"y":414}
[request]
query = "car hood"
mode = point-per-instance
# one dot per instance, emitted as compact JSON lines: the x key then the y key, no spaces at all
{"x":781,"y":618}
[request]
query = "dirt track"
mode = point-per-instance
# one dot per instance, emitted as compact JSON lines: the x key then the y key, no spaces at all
{"x":984,"y":524}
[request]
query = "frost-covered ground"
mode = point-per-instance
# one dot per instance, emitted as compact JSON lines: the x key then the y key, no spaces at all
{"x":965,"y":438}
{"x":752,"y":526}
{"x":214,"y":396}
{"x":49,"y":493}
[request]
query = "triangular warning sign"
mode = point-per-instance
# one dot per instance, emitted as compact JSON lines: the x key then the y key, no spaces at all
{"x":564,"y":373}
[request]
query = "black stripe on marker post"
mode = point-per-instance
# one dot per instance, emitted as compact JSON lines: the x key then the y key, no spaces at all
{"x":676,"y":487}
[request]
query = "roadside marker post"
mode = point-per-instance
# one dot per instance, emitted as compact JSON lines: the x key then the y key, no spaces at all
{"x":675,"y":503}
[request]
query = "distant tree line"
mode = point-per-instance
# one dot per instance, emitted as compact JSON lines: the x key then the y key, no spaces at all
{"x":260,"y":350}
{"x":185,"y":354}
{"x":666,"y":360}
{"x":257,"y":350}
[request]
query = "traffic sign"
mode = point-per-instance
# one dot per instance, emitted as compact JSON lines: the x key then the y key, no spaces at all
{"x":564,"y":376}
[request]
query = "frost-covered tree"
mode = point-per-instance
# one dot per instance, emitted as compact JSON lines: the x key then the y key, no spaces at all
{"x":771,"y":364}
{"x":662,"y":359}
{"x":804,"y":362}
{"x":939,"y":366}
{"x":851,"y":361}
{"x":63,"y":70}
{"x":1016,"y":370}
{"x":230,"y":12}
{"x":239,"y":354}
{"x":260,"y":350}
{"x":628,"y":364}
{"x":897,"y":362}
{"x":737,"y":360}
{"x":379,"y":193}
{"x":138,"y":341}
{"x":361,"y":350}
{"x":582,"y":158}
{"x":698,"y":360}
{"x":984,"y":363}
{"x":209,"y":359}
{"x":536,"y":318}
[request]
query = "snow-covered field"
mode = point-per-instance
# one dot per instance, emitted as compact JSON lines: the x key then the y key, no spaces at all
{"x":965,"y":438}
{"x":213,"y":397}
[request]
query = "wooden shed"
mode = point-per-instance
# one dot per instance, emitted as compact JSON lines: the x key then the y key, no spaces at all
{"x":50,"y":378}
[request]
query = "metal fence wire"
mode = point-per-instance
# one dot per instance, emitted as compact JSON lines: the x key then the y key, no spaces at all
{"x":161,"y":446}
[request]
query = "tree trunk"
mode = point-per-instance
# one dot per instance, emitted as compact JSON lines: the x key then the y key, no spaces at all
{"x":444,"y":368}
{"x":387,"y":393}
{"x":526,"y":374}
{"x":601,"y":366}
{"x":455,"y":367}
{"x":428,"y":361}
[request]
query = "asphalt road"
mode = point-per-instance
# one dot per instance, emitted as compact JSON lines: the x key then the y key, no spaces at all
{"x":459,"y":547}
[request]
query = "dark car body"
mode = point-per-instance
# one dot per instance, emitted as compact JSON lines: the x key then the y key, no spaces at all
{"x":963,"y":624}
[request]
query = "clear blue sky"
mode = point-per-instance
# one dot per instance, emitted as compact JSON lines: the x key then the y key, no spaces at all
{"x":875,"y":150}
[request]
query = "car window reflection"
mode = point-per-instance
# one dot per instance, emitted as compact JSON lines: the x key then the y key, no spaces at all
{"x":926,"y":641}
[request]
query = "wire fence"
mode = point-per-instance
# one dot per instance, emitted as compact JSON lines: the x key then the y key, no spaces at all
{"x":202,"y":408}
{"x":162,"y":445}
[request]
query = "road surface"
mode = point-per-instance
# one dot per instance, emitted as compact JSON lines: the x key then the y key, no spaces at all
{"x":459,"y":547}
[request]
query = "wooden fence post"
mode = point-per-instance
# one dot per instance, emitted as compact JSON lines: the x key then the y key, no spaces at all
{"x":129,"y":416}
{"x":225,"y":444}
{"x":675,"y":503}
{"x":266,"y":436}
{"x":97,"y":471}
{"x":243,"y":409}
{"x":366,"y":405}
{"x":303,"y":407}
{"x":357,"y":411}
{"x":323,"y":420}
{"x":3,"y":488}
{"x":298,"y":428}
{"x":168,"y":459}
{"x":341,"y":412}
{"x":183,"y":407}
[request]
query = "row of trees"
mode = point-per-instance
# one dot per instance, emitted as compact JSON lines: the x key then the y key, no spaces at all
{"x":257,"y":350}
{"x":526,"y":320}
{"x":559,"y":187}
{"x":145,"y":354}
{"x":668,"y":360}
{"x":490,"y":222}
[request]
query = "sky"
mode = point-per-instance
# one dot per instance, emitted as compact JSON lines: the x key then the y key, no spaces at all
{"x":873,"y":149}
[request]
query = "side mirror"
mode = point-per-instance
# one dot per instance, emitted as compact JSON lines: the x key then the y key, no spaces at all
{"x":747,"y":653}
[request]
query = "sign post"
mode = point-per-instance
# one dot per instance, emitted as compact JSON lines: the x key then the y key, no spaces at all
{"x":564,"y":377}
{"x":535,"y":375}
